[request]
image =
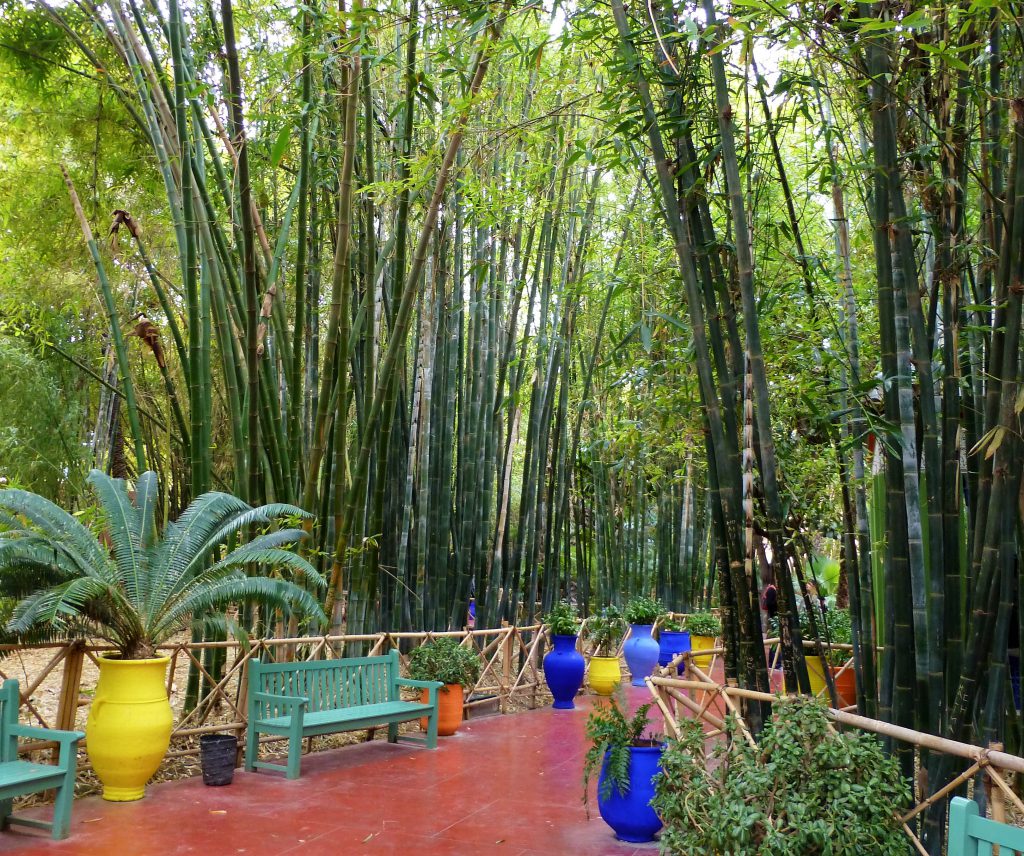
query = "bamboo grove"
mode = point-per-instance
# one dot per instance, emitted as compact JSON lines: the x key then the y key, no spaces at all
{"x":529,"y":302}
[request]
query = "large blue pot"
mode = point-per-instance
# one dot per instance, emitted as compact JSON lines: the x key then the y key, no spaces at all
{"x":641,"y":653}
{"x":670,"y":643}
{"x":563,"y":670}
{"x":630,"y":815}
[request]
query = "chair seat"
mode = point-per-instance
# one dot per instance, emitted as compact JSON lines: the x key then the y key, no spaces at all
{"x":367,"y":713}
{"x":15,"y":775}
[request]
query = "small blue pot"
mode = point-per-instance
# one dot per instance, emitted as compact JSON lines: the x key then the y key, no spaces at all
{"x":563,"y":670}
{"x":670,"y":643}
{"x":641,"y":653}
{"x":630,"y":815}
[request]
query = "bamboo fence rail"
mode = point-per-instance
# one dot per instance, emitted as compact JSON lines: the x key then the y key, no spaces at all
{"x":671,"y":693}
{"x":508,"y":668}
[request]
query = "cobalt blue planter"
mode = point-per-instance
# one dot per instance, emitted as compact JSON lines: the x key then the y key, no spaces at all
{"x":563,"y":670}
{"x":641,"y":653}
{"x":670,"y":643}
{"x":630,"y":815}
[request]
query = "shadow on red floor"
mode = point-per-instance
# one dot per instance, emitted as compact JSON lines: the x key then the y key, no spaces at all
{"x":503,"y":784}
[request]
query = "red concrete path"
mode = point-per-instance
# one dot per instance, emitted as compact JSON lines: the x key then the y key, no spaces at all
{"x":503,"y":784}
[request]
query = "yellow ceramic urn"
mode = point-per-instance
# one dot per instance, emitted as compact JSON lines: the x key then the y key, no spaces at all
{"x":605,"y":675}
{"x":129,"y":726}
{"x":703,"y":643}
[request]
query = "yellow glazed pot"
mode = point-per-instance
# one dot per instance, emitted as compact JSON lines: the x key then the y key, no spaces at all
{"x":816,"y":674}
{"x":129,"y":726}
{"x":605,"y":675}
{"x":703,"y":643}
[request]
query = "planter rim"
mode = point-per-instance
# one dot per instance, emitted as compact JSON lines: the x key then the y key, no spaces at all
{"x":565,"y":635}
{"x":114,"y":658}
{"x":595,"y":657}
{"x":644,"y":749}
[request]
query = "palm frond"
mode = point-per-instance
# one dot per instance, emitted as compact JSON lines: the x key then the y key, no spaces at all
{"x":237,"y":588}
{"x":122,"y":519}
{"x":56,"y":525}
{"x":146,"y":496}
{"x":28,"y":561}
{"x":251,"y":554}
{"x":56,"y":605}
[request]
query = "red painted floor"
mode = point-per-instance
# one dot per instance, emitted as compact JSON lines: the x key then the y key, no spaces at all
{"x":503,"y":784}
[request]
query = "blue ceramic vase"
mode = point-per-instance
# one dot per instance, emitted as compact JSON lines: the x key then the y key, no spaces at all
{"x":630,"y":815}
{"x":563,"y":670}
{"x":670,"y":643}
{"x":641,"y":653}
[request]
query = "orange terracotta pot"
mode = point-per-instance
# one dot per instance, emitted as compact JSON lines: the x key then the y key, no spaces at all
{"x":846,"y":685}
{"x":449,"y":709}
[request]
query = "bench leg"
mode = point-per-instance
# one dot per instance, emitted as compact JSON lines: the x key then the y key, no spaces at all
{"x":432,"y":729}
{"x":393,"y":732}
{"x":252,"y":748}
{"x":294,"y":750}
{"x":62,"y":806}
{"x":5,"y":812}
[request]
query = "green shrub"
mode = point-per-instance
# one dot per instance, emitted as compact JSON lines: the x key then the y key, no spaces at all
{"x":643,"y":610}
{"x":563,"y":620}
{"x":704,"y":624}
{"x":673,"y":625}
{"x":444,"y":660}
{"x":804,"y":790}
{"x":605,"y":631}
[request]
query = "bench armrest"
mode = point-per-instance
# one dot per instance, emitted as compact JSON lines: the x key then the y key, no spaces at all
{"x":427,"y":685}
{"x":283,"y":700}
{"x":67,"y":755}
{"x":430,"y":686}
{"x":32,"y":732}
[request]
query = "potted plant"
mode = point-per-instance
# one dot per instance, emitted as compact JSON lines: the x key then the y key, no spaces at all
{"x":457,"y":667}
{"x":136,"y":594}
{"x":641,"y":650}
{"x":705,"y":629}
{"x":564,"y":666}
{"x":840,"y":632}
{"x":604,"y":633}
{"x":628,"y":763}
{"x":673,"y":639}
{"x":805,"y":788}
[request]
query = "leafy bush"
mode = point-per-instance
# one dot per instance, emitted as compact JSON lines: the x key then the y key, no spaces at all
{"x":444,"y":660}
{"x":840,"y":632}
{"x":673,"y":625}
{"x":643,"y":610}
{"x":704,"y":624}
{"x":563,"y":620}
{"x":611,"y":732}
{"x":804,"y":790}
{"x":605,"y":631}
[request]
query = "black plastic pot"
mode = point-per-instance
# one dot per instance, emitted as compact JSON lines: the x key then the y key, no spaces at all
{"x":217,"y":754}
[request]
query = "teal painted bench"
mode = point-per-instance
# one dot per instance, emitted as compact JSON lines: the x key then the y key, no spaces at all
{"x":303,"y":699}
{"x":18,"y":777}
{"x":970,"y":834}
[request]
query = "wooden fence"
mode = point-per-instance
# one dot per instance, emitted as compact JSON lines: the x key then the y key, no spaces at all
{"x":706,"y":699}
{"x":58,"y":679}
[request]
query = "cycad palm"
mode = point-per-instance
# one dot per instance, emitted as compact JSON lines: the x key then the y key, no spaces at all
{"x":145,"y":588}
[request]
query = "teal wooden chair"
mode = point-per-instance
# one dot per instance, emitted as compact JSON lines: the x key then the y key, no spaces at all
{"x":970,"y":834}
{"x":18,"y":777}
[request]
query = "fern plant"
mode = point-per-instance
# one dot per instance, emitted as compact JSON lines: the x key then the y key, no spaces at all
{"x":611,"y":734}
{"x":145,"y":588}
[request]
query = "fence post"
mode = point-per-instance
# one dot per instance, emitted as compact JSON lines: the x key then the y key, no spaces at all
{"x":70,"y":686}
{"x":507,"y":645}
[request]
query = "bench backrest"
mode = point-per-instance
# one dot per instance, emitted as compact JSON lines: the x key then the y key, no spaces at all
{"x":970,"y":834}
{"x":10,"y":702}
{"x":330,"y":684}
